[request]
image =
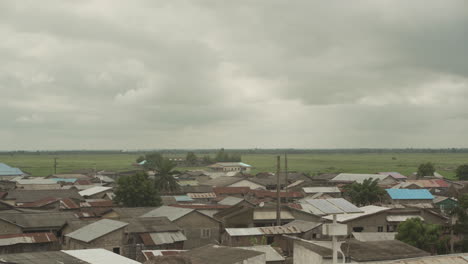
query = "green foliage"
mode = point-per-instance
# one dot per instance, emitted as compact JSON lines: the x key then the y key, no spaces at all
{"x":140,"y":159}
{"x":152,"y":161}
{"x":461,"y":226}
{"x":223,"y":156}
{"x":191,"y":159}
{"x":426,"y":169}
{"x":421,"y":235}
{"x":462,"y":172}
{"x":207,"y":160}
{"x":365,"y":193}
{"x":136,"y":191}
{"x":164,"y":181}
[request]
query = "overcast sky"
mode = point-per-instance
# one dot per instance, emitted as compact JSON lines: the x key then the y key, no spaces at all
{"x":108,"y":74}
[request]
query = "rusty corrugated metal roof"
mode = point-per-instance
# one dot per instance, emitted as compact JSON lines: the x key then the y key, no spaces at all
{"x":201,"y":195}
{"x":27,"y":238}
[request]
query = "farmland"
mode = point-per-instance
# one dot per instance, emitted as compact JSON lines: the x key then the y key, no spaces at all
{"x":41,"y":164}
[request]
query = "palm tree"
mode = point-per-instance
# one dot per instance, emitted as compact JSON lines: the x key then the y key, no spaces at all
{"x":164,"y":181}
{"x":365,"y":193}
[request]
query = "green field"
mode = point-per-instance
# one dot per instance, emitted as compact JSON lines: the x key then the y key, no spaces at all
{"x":405,"y":163}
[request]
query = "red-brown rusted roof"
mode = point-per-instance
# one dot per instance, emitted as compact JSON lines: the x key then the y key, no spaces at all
{"x":40,"y":203}
{"x":202,"y":206}
{"x":231,"y":190}
{"x":28,"y":238}
{"x":264,"y":193}
{"x":68,"y":204}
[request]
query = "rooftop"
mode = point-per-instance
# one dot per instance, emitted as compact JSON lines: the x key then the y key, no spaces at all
{"x":270,"y":253}
{"x":409,"y":194}
{"x":328,"y":189}
{"x":359,"y":178}
{"x":6,"y":170}
{"x":366,"y":211}
{"x":230,"y":200}
{"x":25,"y":196}
{"x":27,"y":238}
{"x":94,"y":190}
{"x":95,"y":230}
{"x":213,"y":254}
{"x":172,"y":213}
{"x":304,"y":226}
{"x":380,"y":250}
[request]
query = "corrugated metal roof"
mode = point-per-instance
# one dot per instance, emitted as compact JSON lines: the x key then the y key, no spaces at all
{"x":253,"y":231}
{"x":367,"y":210}
{"x":374,"y":236}
{"x":201,"y":195}
{"x":329,"y":206}
{"x":230,"y":164}
{"x":271,"y":215}
{"x":94,"y":190}
{"x":162,"y":238}
{"x":354,"y":177}
{"x":409,"y":194}
{"x":278,"y":230}
{"x":72,"y":180}
{"x":35,"y":181}
{"x":96,"y":230}
{"x":230,"y":200}
{"x":165,"y":252}
{"x":28,"y":238}
{"x":172,"y":213}
{"x":45,"y":257}
{"x":99,"y":256}
{"x":402,"y":218}
{"x":332,"y":189}
{"x":183,"y":198}
{"x":430,"y":183}
{"x":395,"y":175}
{"x":270,"y":253}
{"x":304,"y":226}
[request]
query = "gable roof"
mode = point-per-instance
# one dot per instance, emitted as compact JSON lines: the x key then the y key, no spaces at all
{"x":409,"y":194}
{"x":395,"y":175}
{"x":27,"y":238}
{"x":436,"y":183}
{"x":94,"y":190}
{"x":304,"y":226}
{"x":96,"y":230}
{"x":150,"y":225}
{"x":172,"y":213}
{"x":270,"y":253}
{"x":38,"y":220}
{"x":230,"y":200}
{"x":98,"y":256}
{"x":374,"y":236}
{"x":325,"y":189}
{"x":367,"y":210}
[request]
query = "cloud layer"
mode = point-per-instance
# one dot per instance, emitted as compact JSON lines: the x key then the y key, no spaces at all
{"x":204,"y":74}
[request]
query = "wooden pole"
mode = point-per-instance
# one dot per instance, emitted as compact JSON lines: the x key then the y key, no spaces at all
{"x":278,"y":201}
{"x":286,"y":183}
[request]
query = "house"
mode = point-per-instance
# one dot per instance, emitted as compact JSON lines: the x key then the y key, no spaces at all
{"x":384,"y":180}
{"x":20,"y":222}
{"x":397,"y":176}
{"x":105,"y":233}
{"x":309,"y":230}
{"x":202,"y":197}
{"x":230,"y":166}
{"x":231,"y":191}
{"x":28,"y":242}
{"x":410,"y":196}
{"x":15,"y":197}
{"x":267,"y":235}
{"x":152,"y":232}
{"x":8,"y":173}
{"x":445,"y":204}
{"x":213,"y":254}
{"x":271,"y":255}
{"x":37,"y":184}
{"x":96,"y":192}
{"x":435,"y":186}
{"x":84,"y":256}
{"x":199,"y":228}
{"x":372,"y":219}
{"x":225,"y":181}
{"x":285,"y":196}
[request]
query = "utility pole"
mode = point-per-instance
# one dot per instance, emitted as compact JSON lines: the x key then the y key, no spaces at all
{"x":55,"y":165}
{"x":278,"y":201}
{"x":286,"y":174}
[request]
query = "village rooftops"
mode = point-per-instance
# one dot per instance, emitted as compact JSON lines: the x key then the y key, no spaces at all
{"x":38,"y":220}
{"x":150,"y":224}
{"x":366,"y":210}
{"x":327,"y":189}
{"x":25,"y":196}
{"x":410,"y":194}
{"x":94,"y":190}
{"x":380,"y":250}
{"x":260,"y":231}
{"x":96,"y":230}
{"x":328,"y":206}
{"x":172,"y":213}
{"x":230,"y":164}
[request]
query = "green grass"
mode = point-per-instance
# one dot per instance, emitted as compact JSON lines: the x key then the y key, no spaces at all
{"x":406,"y":163}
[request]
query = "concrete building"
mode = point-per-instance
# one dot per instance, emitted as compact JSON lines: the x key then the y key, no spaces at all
{"x":410,"y":196}
{"x":373,"y":219}
{"x":384,"y":180}
{"x":199,"y":228}
{"x":230,"y":166}
{"x":105,"y":233}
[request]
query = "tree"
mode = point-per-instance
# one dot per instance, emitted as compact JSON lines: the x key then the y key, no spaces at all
{"x":164,"y":181}
{"x":461,"y":226}
{"x":426,"y":169}
{"x":191,"y":158}
{"x":421,"y":235}
{"x":140,"y":159}
{"x":207,"y":160}
{"x":365,"y":193}
{"x":462,"y":172}
{"x":222,"y":156}
{"x":152,"y":160}
{"x":137,"y":191}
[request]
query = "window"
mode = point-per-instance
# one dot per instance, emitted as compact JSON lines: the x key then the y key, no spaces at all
{"x":358,"y":229}
{"x":380,"y":229}
{"x":116,"y":250}
{"x":205,"y":233}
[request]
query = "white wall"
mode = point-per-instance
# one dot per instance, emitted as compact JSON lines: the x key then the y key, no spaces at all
{"x":303,"y":255}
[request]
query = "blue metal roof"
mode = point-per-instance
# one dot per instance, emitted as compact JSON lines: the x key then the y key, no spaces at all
{"x":6,"y":170}
{"x":72,"y":180}
{"x":410,"y":194}
{"x":183,"y":198}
